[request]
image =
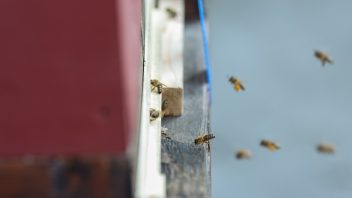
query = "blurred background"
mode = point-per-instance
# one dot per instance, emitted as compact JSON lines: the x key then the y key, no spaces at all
{"x":68,"y":114}
{"x":67,"y":118}
{"x":290,"y":98}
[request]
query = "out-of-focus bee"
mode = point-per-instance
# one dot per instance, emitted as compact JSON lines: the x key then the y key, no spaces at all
{"x":272,"y":146}
{"x":156,"y":84}
{"x":203,"y":138}
{"x":171,"y":12}
{"x":165,"y":135}
{"x":237,"y":84}
{"x":243,"y":154}
{"x":164,"y":129}
{"x":323,"y":57}
{"x":325,"y":148}
{"x":153,"y":114}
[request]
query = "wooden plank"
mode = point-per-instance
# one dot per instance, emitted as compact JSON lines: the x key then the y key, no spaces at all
{"x":171,"y":53}
{"x":163,"y":62}
{"x":149,"y":180}
{"x":172,"y":101}
{"x":186,"y":165}
{"x":65,"y":176}
{"x":171,"y":67}
{"x":63,"y":68}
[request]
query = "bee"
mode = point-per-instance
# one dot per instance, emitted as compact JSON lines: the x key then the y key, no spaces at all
{"x":325,"y":148}
{"x":165,"y":135}
{"x":164,"y":129}
{"x":171,"y":12}
{"x":156,"y":84}
{"x":323,"y":57}
{"x":272,"y":146}
{"x":153,"y":114}
{"x":237,"y":84}
{"x":243,"y":154}
{"x":203,"y":138}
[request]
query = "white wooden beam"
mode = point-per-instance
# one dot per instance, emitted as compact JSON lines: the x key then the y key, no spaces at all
{"x":163,"y":37}
{"x":150,"y":183}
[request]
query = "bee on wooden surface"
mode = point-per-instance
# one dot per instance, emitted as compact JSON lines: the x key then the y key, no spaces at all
{"x":156,"y":84}
{"x":203,"y":138}
{"x":237,"y":84}
{"x":171,"y":12}
{"x":164,"y":129}
{"x":165,"y":135}
{"x":323,"y":57}
{"x":325,"y":148}
{"x":243,"y":154}
{"x":272,"y":146}
{"x":153,"y":114}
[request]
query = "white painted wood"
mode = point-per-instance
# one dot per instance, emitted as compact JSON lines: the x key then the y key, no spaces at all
{"x":149,"y":180}
{"x":171,"y":53}
{"x":171,"y":67}
{"x":163,"y":61}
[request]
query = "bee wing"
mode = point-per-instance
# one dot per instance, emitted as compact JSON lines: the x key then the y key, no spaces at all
{"x":242,"y":87}
{"x":239,"y":87}
{"x":273,"y":147}
{"x":329,"y":60}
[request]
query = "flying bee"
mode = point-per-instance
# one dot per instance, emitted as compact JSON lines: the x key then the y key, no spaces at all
{"x":272,"y":146}
{"x":323,"y":57}
{"x":171,"y":12}
{"x":243,"y":154}
{"x":325,"y":148}
{"x":156,"y":84}
{"x":203,"y":138}
{"x":153,"y":114}
{"x":237,"y":84}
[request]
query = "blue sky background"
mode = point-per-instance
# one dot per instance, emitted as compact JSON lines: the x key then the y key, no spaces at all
{"x":290,"y":98}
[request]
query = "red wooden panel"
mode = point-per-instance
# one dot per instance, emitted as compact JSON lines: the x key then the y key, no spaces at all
{"x":129,"y":19}
{"x":62,"y":87}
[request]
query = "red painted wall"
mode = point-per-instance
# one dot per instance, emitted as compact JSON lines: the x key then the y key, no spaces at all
{"x":66,"y":71}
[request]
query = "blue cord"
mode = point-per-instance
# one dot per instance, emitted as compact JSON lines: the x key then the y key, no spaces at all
{"x":205,"y":45}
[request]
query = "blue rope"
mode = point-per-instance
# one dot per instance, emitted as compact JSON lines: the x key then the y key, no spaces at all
{"x":205,"y":45}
